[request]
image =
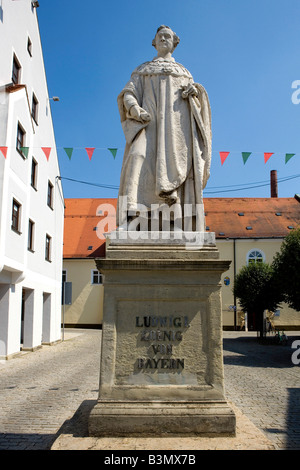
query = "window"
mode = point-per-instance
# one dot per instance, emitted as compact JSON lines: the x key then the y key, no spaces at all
{"x":97,"y":278}
{"x":50,"y":195}
{"x":31,"y":225}
{"x":34,"y":108}
{"x":64,"y":275}
{"x":48,"y":248}
{"x":34,"y":173}
{"x":20,"y":140}
{"x":16,"y":212}
{"x":16,"y":71}
{"x":255,"y":256}
{"x":29,"y":46}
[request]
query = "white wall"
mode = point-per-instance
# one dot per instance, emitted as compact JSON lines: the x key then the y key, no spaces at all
{"x":20,"y":267}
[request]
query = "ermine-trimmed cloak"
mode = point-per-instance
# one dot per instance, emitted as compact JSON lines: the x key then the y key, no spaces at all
{"x":167,"y":158}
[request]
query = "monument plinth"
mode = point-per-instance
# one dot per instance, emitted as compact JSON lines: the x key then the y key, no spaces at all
{"x":162,"y":361}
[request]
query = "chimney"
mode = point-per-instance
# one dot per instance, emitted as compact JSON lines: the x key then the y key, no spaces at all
{"x":274,"y":186}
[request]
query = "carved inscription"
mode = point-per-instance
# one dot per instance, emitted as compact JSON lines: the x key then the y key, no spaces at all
{"x":162,"y":332}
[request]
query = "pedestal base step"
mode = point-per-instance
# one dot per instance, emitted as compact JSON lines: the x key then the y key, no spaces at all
{"x":161,"y":418}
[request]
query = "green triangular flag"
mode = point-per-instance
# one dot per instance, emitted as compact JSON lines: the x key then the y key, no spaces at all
{"x":288,"y":156}
{"x":245,"y":156}
{"x":24,"y":150}
{"x":69,"y":151}
{"x":114,"y":152}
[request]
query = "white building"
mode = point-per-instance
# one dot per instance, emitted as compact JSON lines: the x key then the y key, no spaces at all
{"x":31,"y":199}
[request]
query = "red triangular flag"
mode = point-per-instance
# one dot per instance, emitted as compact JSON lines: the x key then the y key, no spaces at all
{"x":267,"y":156}
{"x":46,"y":151}
{"x":90,"y":151}
{"x":223,"y":156}
{"x":4,"y":151}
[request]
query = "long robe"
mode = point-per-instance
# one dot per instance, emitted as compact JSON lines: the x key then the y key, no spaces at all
{"x":171,"y":153}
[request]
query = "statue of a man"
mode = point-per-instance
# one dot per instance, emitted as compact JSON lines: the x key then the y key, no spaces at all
{"x":166,"y":120}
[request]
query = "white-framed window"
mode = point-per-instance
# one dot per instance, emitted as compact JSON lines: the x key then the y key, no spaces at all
{"x":255,"y":256}
{"x":96,"y":277}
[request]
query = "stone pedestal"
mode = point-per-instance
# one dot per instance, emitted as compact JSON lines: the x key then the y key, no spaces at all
{"x":162,"y":360}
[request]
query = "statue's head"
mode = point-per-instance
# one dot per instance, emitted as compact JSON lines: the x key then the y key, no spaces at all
{"x":165,"y":33}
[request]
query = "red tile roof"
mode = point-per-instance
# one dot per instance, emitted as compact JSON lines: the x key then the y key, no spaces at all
{"x":227,"y":217}
{"x":82,"y":216}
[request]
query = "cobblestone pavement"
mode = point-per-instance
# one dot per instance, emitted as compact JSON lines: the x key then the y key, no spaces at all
{"x":262,"y":381}
{"x":51,"y":391}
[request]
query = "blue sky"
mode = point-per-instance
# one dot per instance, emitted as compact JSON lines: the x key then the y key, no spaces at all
{"x":244,"y":52}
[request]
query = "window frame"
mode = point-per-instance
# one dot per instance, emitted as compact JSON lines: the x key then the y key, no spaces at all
{"x":16,"y":216}
{"x":29,"y":46}
{"x":16,"y":71}
{"x":254,"y":259}
{"x":20,"y":142}
{"x":48,"y":247}
{"x":34,"y":108}
{"x":96,"y":274}
{"x":33,"y":175}
{"x":31,"y":235}
{"x":50,"y":194}
{"x":64,"y":275}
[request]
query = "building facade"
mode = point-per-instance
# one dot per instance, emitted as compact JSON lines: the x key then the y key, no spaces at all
{"x":31,"y":198}
{"x":247,"y":230}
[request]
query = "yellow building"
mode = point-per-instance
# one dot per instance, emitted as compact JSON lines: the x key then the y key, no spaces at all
{"x":83,"y":242}
{"x":247,"y":230}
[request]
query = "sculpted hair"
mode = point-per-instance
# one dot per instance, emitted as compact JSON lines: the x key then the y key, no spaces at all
{"x":176,"y":39}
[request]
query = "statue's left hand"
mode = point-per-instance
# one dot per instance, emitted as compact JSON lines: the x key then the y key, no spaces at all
{"x":189,"y":90}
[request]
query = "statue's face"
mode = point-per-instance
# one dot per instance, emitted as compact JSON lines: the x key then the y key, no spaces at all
{"x":164,"y":41}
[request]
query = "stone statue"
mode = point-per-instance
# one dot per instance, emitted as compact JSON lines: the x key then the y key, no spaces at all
{"x":166,"y":120}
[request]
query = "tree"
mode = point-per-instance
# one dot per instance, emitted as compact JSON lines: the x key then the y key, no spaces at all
{"x":254,"y":287}
{"x":286,"y":267}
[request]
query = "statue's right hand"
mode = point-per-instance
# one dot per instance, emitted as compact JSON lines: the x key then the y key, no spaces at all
{"x":139,"y":114}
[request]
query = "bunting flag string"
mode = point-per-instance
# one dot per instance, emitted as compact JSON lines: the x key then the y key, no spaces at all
{"x":46,"y":151}
{"x":245,"y":156}
{"x":113,"y":151}
{"x":223,"y":156}
{"x":69,"y":151}
{"x":267,"y":155}
{"x":4,"y":151}
{"x":90,"y":151}
{"x":25,"y":151}
{"x":288,"y":156}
